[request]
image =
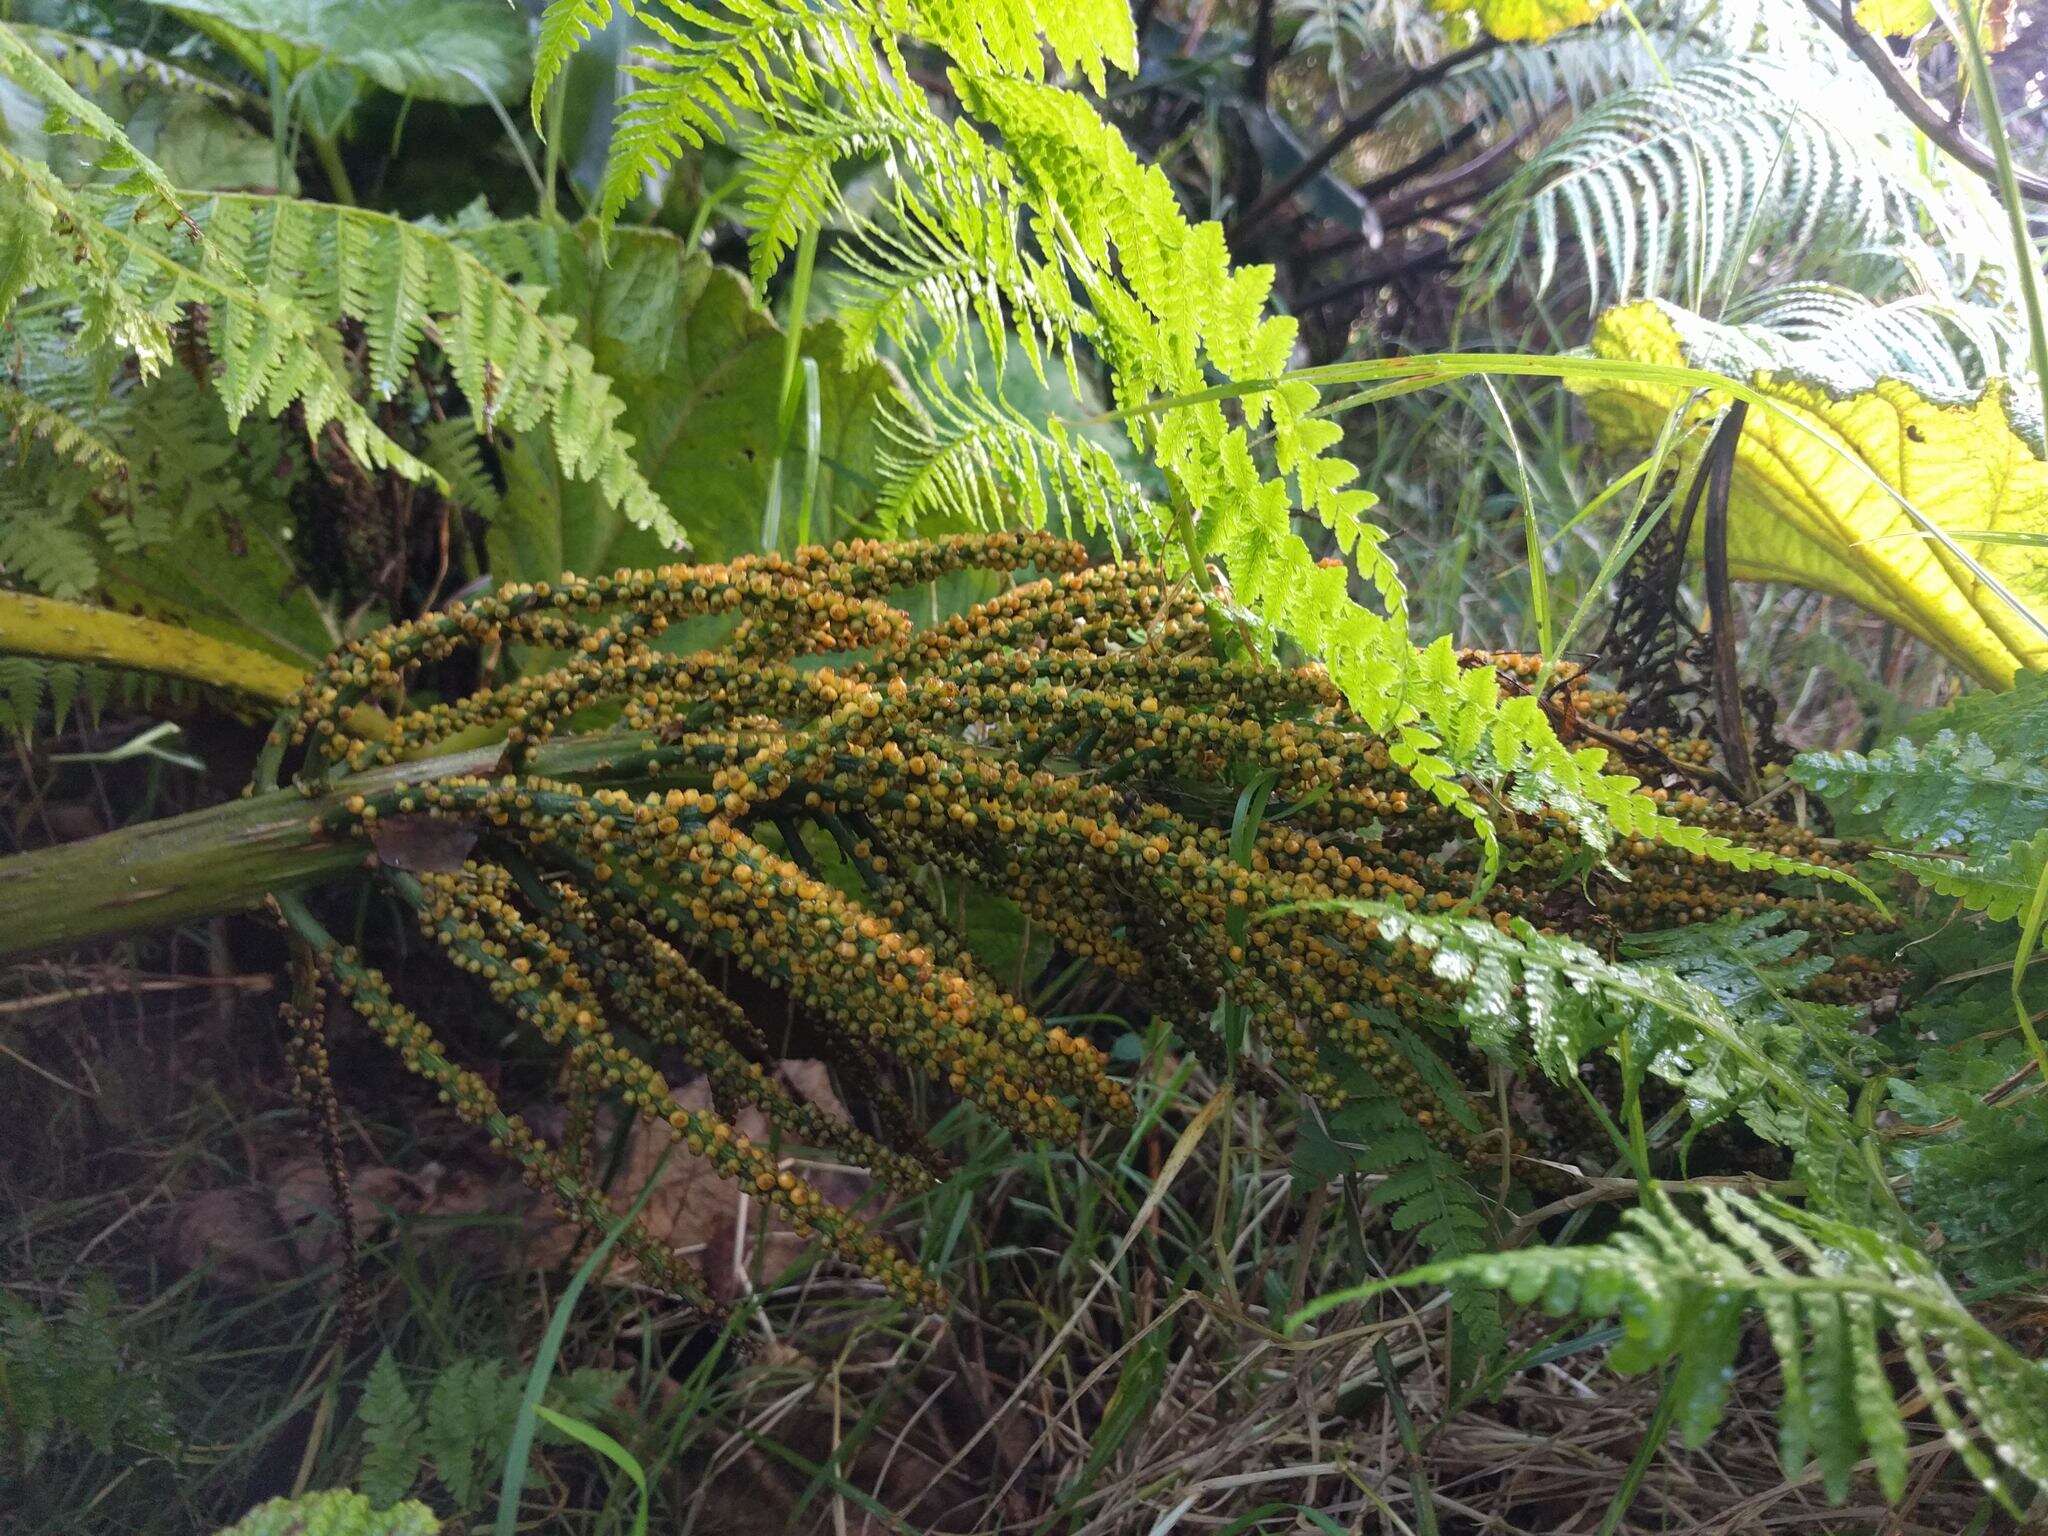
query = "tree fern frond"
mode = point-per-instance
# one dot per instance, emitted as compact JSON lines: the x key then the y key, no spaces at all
{"x":1830,"y":1293}
{"x":1944,"y":344}
{"x":1672,"y":187}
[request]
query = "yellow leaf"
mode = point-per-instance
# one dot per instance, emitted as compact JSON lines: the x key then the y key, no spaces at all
{"x":1806,"y":510}
{"x":1909,"y":18}
{"x":1527,"y":21}
{"x":1895,"y":18}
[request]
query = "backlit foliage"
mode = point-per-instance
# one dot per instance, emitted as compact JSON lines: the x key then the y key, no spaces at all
{"x":1923,"y":501}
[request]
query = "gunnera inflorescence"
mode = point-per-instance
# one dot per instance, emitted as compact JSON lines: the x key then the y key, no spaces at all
{"x":772,"y":804}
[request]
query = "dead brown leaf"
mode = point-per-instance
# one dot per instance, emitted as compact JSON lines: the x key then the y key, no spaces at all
{"x":305,"y":1205}
{"x":233,"y":1234}
{"x":694,"y":1210}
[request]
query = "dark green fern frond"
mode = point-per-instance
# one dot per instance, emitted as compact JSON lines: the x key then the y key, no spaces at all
{"x":1422,"y":1191}
{"x":2002,"y":885}
{"x":1831,"y":1294}
{"x":1524,"y":994}
{"x":94,"y":64}
{"x":80,"y":442}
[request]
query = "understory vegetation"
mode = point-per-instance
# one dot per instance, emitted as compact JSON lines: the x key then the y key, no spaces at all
{"x":1006,"y":766}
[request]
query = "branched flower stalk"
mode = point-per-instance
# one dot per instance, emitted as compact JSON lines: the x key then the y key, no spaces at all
{"x":799,"y":787}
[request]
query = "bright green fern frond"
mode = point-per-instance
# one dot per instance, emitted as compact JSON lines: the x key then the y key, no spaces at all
{"x":790,"y":175}
{"x":132,"y":171}
{"x":1010,"y":37}
{"x":944,"y":269}
{"x":298,"y":267}
{"x":1832,"y":1294}
{"x":971,"y":456}
{"x":715,"y":64}
{"x":565,"y":26}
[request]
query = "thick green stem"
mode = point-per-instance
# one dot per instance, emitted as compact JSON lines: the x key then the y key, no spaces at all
{"x":229,"y":857}
{"x":329,"y":154}
{"x":59,"y":631}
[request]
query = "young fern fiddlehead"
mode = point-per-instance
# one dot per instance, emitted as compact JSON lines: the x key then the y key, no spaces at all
{"x":1074,"y":745}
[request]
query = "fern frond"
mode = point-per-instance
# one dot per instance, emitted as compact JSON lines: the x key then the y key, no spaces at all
{"x":132,"y":172}
{"x":94,"y":64}
{"x":790,"y":175}
{"x":300,"y":266}
{"x":1951,"y":792}
{"x":1672,"y":187}
{"x":454,"y":449}
{"x":1423,"y":1192}
{"x":42,"y":549}
{"x":78,"y":442}
{"x":712,"y":66}
{"x":1944,"y":344}
{"x":2001,"y":886}
{"x":969,"y":455}
{"x":1012,"y":38}
{"x":1830,"y":1293}
{"x":1520,"y":990}
{"x":565,"y":26}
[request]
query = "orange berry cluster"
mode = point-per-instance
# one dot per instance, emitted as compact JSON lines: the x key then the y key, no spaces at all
{"x":1209,"y":834}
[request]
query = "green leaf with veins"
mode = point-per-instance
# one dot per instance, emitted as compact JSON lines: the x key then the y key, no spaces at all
{"x":460,"y":51}
{"x":699,"y":366}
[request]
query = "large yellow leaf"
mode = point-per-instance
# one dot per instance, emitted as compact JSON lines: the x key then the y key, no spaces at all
{"x":1526,"y":21}
{"x":1806,"y":510}
{"x":1909,"y":18}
